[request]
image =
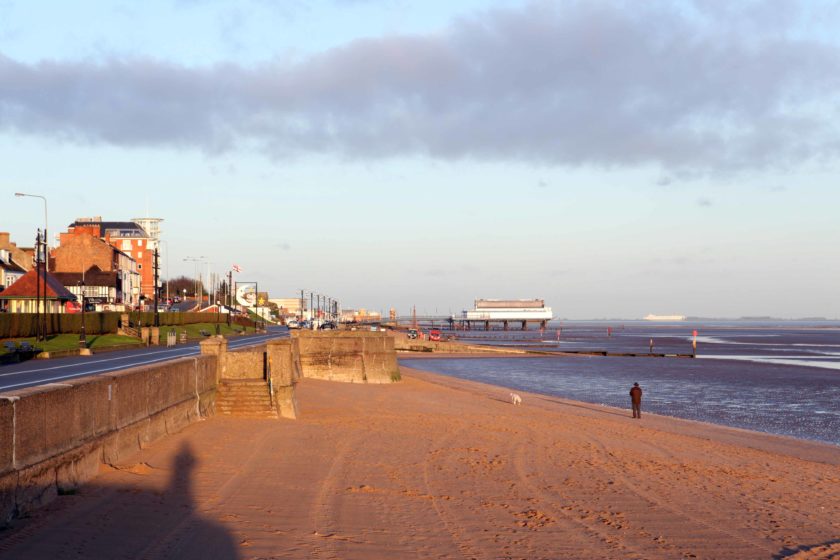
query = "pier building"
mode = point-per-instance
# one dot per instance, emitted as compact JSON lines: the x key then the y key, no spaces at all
{"x":507,"y":312}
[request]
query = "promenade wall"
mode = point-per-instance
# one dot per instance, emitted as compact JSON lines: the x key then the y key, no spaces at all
{"x":349,"y":356}
{"x":54,"y":437}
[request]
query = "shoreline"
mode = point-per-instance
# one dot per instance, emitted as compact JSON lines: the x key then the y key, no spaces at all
{"x":436,"y":466}
{"x":407,"y":361}
{"x":806,"y":449}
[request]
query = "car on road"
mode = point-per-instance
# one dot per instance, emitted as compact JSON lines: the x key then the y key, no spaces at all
{"x":293,"y":324}
{"x":434,"y":334}
{"x":413,"y":334}
{"x":329,"y":325}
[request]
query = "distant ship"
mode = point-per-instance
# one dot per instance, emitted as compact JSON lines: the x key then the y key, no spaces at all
{"x":664,"y":317}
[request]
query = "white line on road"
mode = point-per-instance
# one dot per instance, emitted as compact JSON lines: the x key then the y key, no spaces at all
{"x":155,"y":352}
{"x":90,"y":372}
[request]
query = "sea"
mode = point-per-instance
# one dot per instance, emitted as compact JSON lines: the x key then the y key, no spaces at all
{"x":775,"y":377}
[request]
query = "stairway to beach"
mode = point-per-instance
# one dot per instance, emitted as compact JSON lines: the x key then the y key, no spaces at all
{"x":247,"y":398}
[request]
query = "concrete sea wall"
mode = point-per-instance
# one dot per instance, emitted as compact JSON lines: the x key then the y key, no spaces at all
{"x":54,"y":437}
{"x":355,"y":357}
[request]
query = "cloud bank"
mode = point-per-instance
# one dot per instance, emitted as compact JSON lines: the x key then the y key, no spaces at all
{"x":590,"y":83}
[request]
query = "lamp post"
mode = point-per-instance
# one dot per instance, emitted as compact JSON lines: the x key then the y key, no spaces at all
{"x":157,"y":276}
{"x":82,"y":334}
{"x":38,"y":330}
{"x":168,"y":273}
{"x":196,"y":261}
{"x":218,"y":311}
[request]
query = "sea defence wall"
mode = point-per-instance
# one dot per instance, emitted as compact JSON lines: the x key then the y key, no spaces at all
{"x":349,"y":356}
{"x":277,"y":363}
{"x":54,"y":437}
{"x":404,"y":344}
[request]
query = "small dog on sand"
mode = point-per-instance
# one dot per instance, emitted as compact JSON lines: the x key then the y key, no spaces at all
{"x":515,"y":399}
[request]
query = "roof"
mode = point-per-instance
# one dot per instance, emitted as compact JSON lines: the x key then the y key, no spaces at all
{"x":11,"y":266}
{"x":92,"y":277}
{"x":509,"y":304}
{"x":116,"y":229}
{"x":25,"y":287}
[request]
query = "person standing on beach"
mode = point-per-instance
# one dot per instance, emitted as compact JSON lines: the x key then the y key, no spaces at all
{"x":636,"y":400}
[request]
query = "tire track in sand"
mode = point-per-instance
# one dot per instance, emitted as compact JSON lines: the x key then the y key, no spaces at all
{"x":464,"y":545}
{"x":709,"y":529}
{"x":579,"y":531}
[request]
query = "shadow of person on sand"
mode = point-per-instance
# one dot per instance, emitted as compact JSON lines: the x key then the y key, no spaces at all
{"x":828,"y":549}
{"x":132,"y":520}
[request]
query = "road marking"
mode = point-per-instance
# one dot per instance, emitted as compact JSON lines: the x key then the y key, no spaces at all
{"x":154,"y":352}
{"x":50,"y":379}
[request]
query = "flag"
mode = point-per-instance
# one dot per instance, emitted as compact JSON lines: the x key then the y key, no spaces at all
{"x":236,"y":268}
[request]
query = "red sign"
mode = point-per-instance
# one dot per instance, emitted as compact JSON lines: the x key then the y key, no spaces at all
{"x":695,"y":332}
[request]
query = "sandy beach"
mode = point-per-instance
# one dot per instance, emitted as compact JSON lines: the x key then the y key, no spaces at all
{"x":436,"y":467}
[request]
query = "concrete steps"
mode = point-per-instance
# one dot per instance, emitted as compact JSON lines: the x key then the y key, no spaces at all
{"x":245,"y":398}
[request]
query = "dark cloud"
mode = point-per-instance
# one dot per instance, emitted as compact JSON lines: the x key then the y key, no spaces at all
{"x":578,"y":83}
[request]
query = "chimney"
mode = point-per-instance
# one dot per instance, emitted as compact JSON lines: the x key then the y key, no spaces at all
{"x":4,"y":238}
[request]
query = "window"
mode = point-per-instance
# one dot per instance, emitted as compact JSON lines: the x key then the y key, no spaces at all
{"x":139,"y":254}
{"x":126,"y":245}
{"x":140,"y":266}
{"x":139,"y":242}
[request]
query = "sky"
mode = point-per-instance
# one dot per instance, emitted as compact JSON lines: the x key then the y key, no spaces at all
{"x":614,"y":158}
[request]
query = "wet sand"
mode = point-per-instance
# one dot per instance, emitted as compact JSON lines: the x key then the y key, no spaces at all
{"x":436,"y":467}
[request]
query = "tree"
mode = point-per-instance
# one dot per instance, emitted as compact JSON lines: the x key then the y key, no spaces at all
{"x":181,"y":283}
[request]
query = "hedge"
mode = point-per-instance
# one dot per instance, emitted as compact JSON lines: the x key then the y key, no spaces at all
{"x":22,"y":325}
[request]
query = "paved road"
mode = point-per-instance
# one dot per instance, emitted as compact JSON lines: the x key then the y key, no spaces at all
{"x":184,"y":306}
{"x":39,"y":372}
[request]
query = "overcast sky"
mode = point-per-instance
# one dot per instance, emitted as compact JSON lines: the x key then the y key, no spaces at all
{"x":613,"y":158}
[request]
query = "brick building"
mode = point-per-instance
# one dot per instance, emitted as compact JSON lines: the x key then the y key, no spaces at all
{"x":81,"y":250}
{"x":132,"y":239}
{"x":22,"y":256}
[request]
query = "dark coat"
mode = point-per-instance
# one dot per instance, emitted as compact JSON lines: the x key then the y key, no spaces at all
{"x":636,"y":395}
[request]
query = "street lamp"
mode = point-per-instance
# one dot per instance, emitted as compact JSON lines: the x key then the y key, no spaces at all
{"x":168,"y":273}
{"x":218,"y":311}
{"x":82,"y":334}
{"x":196,"y":260}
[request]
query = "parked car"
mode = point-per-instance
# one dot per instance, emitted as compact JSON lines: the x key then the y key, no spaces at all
{"x":434,"y":334}
{"x":329,"y":325}
{"x":293,"y":324}
{"x":413,"y":334}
